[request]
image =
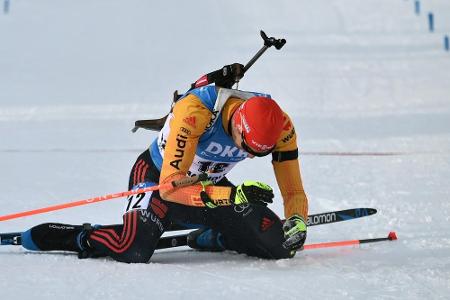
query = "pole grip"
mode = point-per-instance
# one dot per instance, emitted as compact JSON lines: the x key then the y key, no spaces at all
{"x":268,"y":42}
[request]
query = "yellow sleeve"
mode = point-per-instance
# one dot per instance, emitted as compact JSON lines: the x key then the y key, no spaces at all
{"x":288,"y":175}
{"x":189,"y":121}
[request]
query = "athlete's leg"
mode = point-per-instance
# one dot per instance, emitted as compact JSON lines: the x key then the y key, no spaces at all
{"x":251,"y":229}
{"x":136,"y":240}
{"x":132,"y":241}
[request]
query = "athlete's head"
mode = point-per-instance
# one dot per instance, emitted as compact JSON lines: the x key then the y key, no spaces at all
{"x":257,"y":125}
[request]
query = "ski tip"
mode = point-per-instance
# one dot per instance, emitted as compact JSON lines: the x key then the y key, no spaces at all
{"x":371,"y":211}
{"x":392,"y":236}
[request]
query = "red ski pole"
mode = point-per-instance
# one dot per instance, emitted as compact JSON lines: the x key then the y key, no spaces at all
{"x":177,"y":183}
{"x":391,"y":237}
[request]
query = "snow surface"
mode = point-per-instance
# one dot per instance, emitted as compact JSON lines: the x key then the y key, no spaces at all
{"x":358,"y":77}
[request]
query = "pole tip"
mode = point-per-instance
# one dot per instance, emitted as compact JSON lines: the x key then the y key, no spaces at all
{"x":392,"y":236}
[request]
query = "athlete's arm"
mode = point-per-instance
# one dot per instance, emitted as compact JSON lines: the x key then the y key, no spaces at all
{"x":189,"y":121}
{"x":287,"y":172}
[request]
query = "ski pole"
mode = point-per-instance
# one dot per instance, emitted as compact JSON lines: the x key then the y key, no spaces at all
{"x":174,"y":184}
{"x":268,"y":42}
{"x":392,"y":236}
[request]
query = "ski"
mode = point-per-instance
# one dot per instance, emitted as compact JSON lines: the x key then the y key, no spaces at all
{"x":172,"y":241}
{"x":316,"y":219}
{"x":14,"y":238}
{"x":339,"y":216}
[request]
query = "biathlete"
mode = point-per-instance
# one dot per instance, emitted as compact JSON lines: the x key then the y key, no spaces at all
{"x":209,"y":130}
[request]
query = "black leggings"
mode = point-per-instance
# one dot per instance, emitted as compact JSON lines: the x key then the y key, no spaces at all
{"x":251,"y":229}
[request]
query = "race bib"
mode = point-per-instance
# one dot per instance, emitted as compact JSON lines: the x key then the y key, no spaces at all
{"x":138,"y":201}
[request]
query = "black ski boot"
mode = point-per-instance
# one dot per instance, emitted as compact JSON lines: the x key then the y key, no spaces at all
{"x":206,"y":239}
{"x":56,"y":236}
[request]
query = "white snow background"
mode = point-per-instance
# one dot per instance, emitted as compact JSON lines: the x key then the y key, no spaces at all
{"x":365,"y":82}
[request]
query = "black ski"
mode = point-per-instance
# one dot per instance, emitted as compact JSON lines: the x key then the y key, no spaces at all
{"x":339,"y":216}
{"x":172,"y":241}
{"x":318,"y":219}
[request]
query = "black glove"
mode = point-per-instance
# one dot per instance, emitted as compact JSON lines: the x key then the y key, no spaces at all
{"x":294,"y":233}
{"x":227,"y":76}
{"x":253,"y":192}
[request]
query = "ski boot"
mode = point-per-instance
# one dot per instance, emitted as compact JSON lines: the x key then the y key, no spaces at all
{"x":56,"y":236}
{"x":206,"y":239}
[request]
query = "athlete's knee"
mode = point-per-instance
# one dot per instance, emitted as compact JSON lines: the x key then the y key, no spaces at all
{"x":263,"y":234}
{"x":137,"y":240}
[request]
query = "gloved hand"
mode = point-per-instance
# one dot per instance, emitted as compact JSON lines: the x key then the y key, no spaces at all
{"x":228,"y":75}
{"x":294,"y":233}
{"x":253,"y":192}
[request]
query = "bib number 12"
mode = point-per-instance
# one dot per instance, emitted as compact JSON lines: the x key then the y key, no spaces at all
{"x":139,"y":201}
